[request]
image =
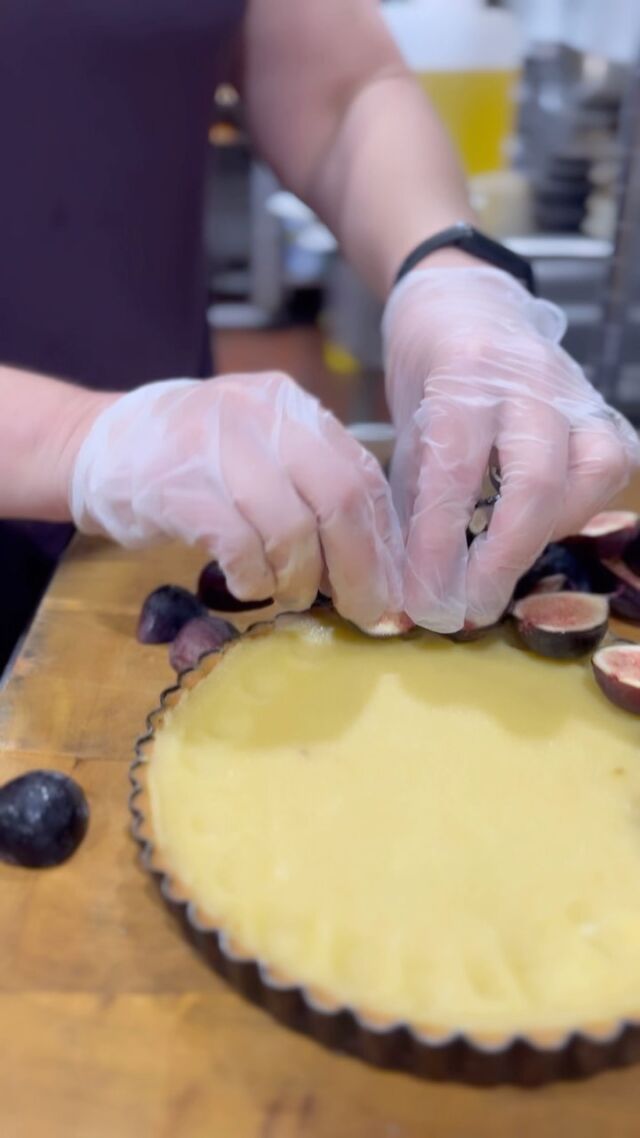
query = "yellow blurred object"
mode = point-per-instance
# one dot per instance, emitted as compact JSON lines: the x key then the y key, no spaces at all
{"x":338,"y":359}
{"x":477,"y":107}
{"x":467,"y":58}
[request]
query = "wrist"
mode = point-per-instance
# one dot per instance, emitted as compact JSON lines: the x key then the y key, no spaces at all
{"x":75,"y":418}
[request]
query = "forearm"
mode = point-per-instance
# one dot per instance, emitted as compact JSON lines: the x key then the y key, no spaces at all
{"x":389,"y":179}
{"x":351,"y":131}
{"x":42,"y":423}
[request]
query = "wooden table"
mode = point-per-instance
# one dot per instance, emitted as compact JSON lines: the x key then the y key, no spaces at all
{"x":110,"y":1025}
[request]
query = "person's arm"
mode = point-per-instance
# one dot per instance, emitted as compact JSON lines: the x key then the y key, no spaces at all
{"x":336,"y":113}
{"x":250,"y":466}
{"x":42,"y":423}
{"x":473,"y":364}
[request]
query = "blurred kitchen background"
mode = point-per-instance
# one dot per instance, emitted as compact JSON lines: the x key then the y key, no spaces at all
{"x":543,"y":100}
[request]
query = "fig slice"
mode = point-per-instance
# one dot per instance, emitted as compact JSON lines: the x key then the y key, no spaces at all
{"x":214,"y":592}
{"x":610,"y":532}
{"x":617,"y":671}
{"x":561,"y":625}
{"x":202,"y":634}
{"x":625,"y":599}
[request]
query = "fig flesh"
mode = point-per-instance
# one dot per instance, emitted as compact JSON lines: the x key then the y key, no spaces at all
{"x":202,"y":634}
{"x":561,"y":625}
{"x":44,"y":816}
{"x":165,"y":611}
{"x":214,"y":592}
{"x":617,"y":672}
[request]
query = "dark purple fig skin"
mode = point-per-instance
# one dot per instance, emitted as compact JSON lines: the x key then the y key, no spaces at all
{"x":202,"y":634}
{"x":625,"y":603}
{"x":214,"y":592}
{"x":612,"y":683}
{"x":44,"y":816}
{"x":583,"y":572}
{"x":631,"y":555}
{"x":625,"y":599}
{"x":610,"y":544}
{"x":165,"y":611}
{"x":560,"y":643}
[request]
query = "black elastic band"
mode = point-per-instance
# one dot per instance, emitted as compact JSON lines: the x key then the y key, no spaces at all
{"x":476,"y":244}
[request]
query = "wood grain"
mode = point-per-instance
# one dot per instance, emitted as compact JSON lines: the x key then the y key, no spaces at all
{"x":110,"y":1025}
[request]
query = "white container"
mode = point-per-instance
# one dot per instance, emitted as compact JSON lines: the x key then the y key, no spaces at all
{"x":467,"y":58}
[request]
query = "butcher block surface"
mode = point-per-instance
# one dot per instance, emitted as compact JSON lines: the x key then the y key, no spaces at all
{"x":110,"y":1024}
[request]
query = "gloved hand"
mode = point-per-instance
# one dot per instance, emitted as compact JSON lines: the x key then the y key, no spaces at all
{"x":474,"y":367}
{"x":254,"y":468}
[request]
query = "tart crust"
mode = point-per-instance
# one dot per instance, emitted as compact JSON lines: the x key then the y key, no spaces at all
{"x":423,"y":1049}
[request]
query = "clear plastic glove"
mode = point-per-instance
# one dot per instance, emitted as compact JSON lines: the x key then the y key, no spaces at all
{"x":474,"y":369}
{"x":254,"y":468}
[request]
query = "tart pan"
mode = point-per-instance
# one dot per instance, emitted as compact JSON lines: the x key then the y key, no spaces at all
{"x":525,"y":1059}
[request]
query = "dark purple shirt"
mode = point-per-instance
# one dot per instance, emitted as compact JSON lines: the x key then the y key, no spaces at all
{"x":104,"y":113}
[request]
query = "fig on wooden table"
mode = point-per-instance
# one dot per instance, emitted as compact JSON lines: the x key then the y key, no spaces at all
{"x":165,"y":611}
{"x":44,"y":816}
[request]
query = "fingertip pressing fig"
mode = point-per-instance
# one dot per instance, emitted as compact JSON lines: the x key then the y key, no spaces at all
{"x":616,"y":668}
{"x":609,"y":532}
{"x":165,"y":611}
{"x":561,"y":625}
{"x":214,"y":592}
{"x":44,"y":816}
{"x":202,"y":634}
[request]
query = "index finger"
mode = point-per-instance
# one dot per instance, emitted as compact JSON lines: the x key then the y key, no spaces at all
{"x":533,"y":448}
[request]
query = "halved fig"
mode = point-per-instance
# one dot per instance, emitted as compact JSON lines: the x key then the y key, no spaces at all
{"x":617,"y":672}
{"x":625,"y":598}
{"x":202,"y":634}
{"x":562,"y":625}
{"x":214,"y":592}
{"x":610,"y":532}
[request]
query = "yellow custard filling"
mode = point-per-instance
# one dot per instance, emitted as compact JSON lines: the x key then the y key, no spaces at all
{"x":442,"y":833}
